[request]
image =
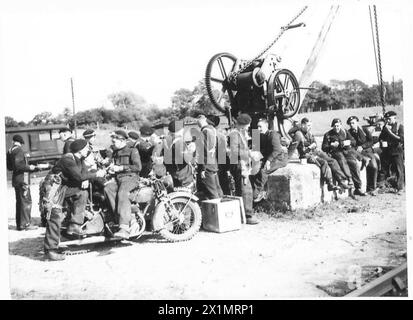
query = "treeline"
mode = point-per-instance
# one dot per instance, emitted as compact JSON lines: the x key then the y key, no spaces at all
{"x":131,"y":110}
{"x":349,"y":94}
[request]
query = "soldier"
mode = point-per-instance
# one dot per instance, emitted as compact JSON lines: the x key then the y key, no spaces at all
{"x":240,"y":164}
{"x":224,"y":175}
{"x":364,"y":145}
{"x":17,"y":162}
{"x":75,"y":178}
{"x":275,"y":156}
{"x":133,"y":138}
{"x":307,"y":149}
{"x":126,"y":165}
{"x":146,"y":145}
{"x":178,"y":157}
{"x":67,"y":138}
{"x":392,"y":139}
{"x":338,"y":143}
{"x":207,"y":160}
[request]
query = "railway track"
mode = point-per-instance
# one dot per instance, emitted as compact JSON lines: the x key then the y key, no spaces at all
{"x":393,"y":282}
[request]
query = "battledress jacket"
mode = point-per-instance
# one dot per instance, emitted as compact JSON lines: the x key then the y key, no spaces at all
{"x":74,"y":170}
{"x":333,"y":136}
{"x":19,"y":165}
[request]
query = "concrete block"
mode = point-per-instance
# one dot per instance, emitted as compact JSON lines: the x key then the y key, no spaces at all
{"x":297,"y":186}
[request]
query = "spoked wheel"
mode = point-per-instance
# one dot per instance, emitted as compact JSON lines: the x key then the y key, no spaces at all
{"x":284,"y":93}
{"x":216,"y":80}
{"x":284,"y":125}
{"x":138,"y":226}
{"x":178,"y":220}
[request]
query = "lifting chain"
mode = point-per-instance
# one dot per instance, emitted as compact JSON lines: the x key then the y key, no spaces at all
{"x":234,"y":75}
{"x":377,"y":56}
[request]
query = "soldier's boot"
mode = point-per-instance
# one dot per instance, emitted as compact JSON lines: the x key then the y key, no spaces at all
{"x":54,"y":255}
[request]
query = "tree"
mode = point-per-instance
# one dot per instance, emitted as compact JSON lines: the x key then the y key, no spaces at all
{"x":10,"y":122}
{"x":127,"y":100}
{"x":42,"y":118}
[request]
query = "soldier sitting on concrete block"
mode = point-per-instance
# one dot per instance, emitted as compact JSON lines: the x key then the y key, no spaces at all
{"x":307,"y":149}
{"x":275,"y":156}
{"x":338,"y":143}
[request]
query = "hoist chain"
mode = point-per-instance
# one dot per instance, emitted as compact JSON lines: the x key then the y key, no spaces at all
{"x":234,"y":75}
{"x":381,"y":84}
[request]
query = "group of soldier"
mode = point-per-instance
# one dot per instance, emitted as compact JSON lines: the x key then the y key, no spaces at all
{"x":217,"y":161}
{"x":343,"y":149}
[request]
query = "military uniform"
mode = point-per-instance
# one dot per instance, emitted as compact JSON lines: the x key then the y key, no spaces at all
{"x":393,"y":154}
{"x":272,"y":151}
{"x":329,"y":167}
{"x":73,"y":171}
{"x":178,"y":162}
{"x":208,"y":163}
{"x":364,"y":139}
{"x":240,"y":169}
{"x":20,"y":168}
{"x":146,"y":150}
{"x":344,"y":155}
{"x":117,"y":191}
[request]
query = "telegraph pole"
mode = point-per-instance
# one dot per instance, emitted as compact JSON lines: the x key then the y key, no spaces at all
{"x":73,"y":104}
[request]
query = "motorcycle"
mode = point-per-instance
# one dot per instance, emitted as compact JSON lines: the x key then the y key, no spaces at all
{"x":174,"y":214}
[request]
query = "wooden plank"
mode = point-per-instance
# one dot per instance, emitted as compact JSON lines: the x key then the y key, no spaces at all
{"x":381,"y":285}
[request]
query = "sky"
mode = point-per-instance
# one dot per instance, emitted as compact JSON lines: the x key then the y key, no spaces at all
{"x":156,"y":47}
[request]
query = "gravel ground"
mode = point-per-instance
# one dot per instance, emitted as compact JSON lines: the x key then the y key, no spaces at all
{"x":292,"y":255}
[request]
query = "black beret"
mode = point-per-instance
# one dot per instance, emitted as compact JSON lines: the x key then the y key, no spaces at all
{"x":89,"y":133}
{"x":120,"y":134}
{"x":18,"y":138}
{"x":352,"y":118}
{"x":215,"y":120}
{"x":335,"y":120}
{"x":244,"y":119}
{"x":147,"y":130}
{"x":175,"y":125}
{"x":133,"y":135}
{"x":389,"y":114}
{"x":77,"y":145}
{"x":64,"y":130}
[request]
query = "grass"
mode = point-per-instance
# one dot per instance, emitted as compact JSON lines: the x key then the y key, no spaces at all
{"x":322,"y":119}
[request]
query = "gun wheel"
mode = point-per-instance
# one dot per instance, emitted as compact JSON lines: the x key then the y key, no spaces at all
{"x":217,"y":80}
{"x":284,"y":93}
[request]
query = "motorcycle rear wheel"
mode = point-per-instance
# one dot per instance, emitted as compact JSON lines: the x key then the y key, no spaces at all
{"x":166,"y":222}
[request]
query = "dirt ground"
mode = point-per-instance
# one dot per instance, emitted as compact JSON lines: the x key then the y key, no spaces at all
{"x":293,"y":255}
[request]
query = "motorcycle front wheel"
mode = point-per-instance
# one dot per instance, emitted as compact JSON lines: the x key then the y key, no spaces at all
{"x":178,"y":219}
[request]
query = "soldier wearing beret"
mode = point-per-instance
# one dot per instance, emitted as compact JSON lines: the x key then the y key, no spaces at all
{"x":241,"y":165}
{"x":307,"y":149}
{"x":146,"y":144}
{"x":126,"y":166}
{"x":338,"y":143}
{"x":364,"y":145}
{"x":392,"y":140}
{"x":67,"y":138}
{"x":178,"y":157}
{"x":275,"y":156}
{"x":17,"y":162}
{"x":75,"y":178}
